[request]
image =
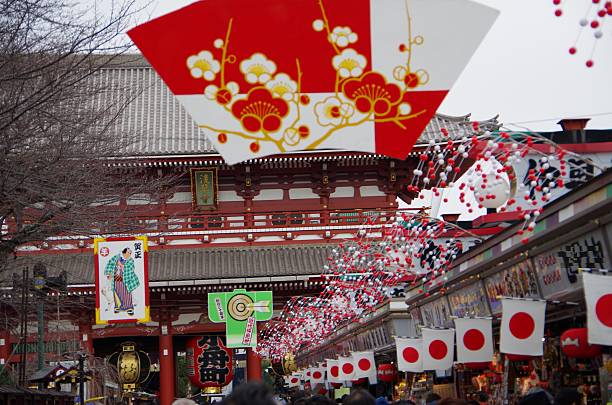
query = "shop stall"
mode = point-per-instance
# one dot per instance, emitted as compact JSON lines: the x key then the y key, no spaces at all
{"x":572,"y":238}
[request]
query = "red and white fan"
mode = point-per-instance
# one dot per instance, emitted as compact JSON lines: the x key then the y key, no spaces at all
{"x":272,"y":77}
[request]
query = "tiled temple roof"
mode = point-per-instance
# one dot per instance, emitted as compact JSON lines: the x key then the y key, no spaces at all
{"x":162,"y":127}
{"x":208,"y":263}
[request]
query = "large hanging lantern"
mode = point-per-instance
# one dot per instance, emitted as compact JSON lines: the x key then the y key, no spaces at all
{"x":209,"y":362}
{"x":133,"y":366}
{"x":284,"y":365}
{"x":289,"y":364}
{"x":277,"y":366}
{"x":574,"y":343}
{"x":386,"y":372}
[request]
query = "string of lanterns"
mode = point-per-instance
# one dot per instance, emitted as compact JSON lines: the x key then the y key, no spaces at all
{"x":592,"y":20}
{"x":415,"y":249}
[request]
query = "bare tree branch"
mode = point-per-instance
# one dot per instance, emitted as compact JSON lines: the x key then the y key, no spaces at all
{"x":59,"y":108}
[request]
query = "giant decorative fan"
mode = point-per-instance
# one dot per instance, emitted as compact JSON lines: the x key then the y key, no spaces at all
{"x":272,"y":76}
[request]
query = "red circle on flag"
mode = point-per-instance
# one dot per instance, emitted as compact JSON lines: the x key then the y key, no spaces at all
{"x":334,"y":371}
{"x":411,"y":355}
{"x":438,"y":349}
{"x":364,"y":364}
{"x":294,"y":380}
{"x":473,"y":339}
{"x":317,"y":374}
{"x":347,"y":368}
{"x":603,"y":310}
{"x":521,"y":325}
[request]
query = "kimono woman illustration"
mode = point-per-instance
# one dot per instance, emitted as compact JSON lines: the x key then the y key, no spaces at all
{"x":120,"y":272}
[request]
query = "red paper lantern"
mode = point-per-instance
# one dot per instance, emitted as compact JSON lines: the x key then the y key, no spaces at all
{"x":209,"y":362}
{"x":336,"y":385}
{"x":386,"y":372}
{"x":574,"y":343}
{"x":359,"y":381}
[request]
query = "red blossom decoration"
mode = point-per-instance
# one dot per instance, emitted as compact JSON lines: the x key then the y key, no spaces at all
{"x":260,"y":111}
{"x":371,"y":92}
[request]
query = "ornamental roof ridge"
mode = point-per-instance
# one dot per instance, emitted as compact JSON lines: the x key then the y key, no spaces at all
{"x":455,"y":118}
{"x":154,"y":123}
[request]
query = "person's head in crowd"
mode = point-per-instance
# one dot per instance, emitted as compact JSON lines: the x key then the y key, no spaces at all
{"x":482,"y":397}
{"x":473,"y":402}
{"x":536,"y":397}
{"x":299,"y":398}
{"x":251,"y":393}
{"x":404,"y":402}
{"x":360,"y":397}
{"x":319,"y":400}
{"x":382,"y":401}
{"x":432,"y":398}
{"x":451,"y":401}
{"x":567,"y":396}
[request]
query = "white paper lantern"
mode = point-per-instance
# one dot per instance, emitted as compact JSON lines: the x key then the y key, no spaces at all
{"x":495,"y":193}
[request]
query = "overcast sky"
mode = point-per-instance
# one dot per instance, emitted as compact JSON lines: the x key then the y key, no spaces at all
{"x":522,"y":70}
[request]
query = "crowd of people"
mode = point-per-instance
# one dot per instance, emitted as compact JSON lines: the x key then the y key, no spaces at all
{"x":258,"y":394}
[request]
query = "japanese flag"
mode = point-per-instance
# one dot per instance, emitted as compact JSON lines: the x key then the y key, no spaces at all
{"x":347,"y":368}
{"x":294,"y":380}
{"x":409,"y":354}
{"x":474,"y":340}
{"x":365,"y":366}
{"x":598,"y":296}
{"x":333,"y":371}
{"x":317,"y":376}
{"x":438,"y":349}
{"x":306,"y":374}
{"x":522,"y":327}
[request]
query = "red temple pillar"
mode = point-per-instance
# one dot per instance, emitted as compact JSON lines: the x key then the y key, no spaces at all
{"x":166,"y":369}
{"x":86,"y":339}
{"x":5,"y":347}
{"x":254,"y":372}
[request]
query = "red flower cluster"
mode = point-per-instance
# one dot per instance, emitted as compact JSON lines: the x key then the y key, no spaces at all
{"x":260,"y":111}
{"x":372,"y":93}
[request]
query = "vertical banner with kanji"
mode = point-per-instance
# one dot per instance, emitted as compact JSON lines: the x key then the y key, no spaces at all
{"x":240,"y":310}
{"x":204,"y":189}
{"x":122,"y":279}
